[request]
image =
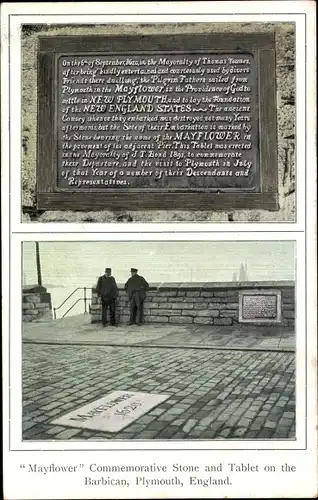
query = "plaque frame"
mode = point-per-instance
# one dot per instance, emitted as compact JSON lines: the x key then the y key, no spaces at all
{"x":49,"y":197}
{"x":267,"y":321}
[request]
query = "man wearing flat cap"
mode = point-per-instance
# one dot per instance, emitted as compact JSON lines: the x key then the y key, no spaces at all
{"x":136,"y":289}
{"x":107,"y":291}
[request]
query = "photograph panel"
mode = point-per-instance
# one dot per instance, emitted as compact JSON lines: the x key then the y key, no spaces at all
{"x":148,"y":340}
{"x":158,"y":122}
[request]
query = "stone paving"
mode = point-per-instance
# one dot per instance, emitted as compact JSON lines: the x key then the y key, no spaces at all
{"x":79,"y":330}
{"x":214,"y":394}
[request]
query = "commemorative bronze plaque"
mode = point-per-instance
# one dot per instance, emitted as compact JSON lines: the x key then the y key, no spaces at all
{"x":257,"y":306}
{"x":158,"y":122}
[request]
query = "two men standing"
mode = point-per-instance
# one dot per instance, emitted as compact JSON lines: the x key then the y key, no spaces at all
{"x":136,"y":289}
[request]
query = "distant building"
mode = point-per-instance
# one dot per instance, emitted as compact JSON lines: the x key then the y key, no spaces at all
{"x":243,"y":273}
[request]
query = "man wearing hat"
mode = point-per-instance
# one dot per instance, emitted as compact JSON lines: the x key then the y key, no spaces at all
{"x":136,"y":288}
{"x":107,"y":291}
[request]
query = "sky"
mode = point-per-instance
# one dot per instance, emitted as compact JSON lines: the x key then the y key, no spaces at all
{"x":80,"y":263}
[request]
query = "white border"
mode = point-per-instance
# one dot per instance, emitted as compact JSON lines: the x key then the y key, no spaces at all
{"x":19,"y":484}
{"x":16,"y":361}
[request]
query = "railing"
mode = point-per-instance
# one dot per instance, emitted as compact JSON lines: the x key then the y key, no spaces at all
{"x":85,"y":299}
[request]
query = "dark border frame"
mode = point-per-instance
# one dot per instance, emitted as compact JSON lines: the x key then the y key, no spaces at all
{"x":262,"y":45}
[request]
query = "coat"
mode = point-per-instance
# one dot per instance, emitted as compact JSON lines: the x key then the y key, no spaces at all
{"x":136,"y":284}
{"x":106,"y":288}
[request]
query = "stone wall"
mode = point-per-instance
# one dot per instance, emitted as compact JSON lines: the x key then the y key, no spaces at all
{"x":36,"y":304}
{"x":285,"y":71}
{"x":199,"y":303}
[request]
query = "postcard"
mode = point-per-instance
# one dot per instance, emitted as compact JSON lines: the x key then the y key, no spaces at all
{"x":159,"y":271}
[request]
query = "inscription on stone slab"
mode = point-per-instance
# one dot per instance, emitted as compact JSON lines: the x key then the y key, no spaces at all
{"x":112,"y":412}
{"x":158,"y":121}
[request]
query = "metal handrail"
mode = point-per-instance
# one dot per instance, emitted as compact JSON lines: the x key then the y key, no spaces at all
{"x":70,"y":295}
{"x":78,"y":300}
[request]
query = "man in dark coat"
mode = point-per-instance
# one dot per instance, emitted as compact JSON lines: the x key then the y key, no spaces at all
{"x":136,"y":288}
{"x":107,"y":291}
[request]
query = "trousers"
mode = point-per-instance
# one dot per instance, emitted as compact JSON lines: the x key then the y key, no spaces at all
{"x":136,"y":308}
{"x":111,"y":305}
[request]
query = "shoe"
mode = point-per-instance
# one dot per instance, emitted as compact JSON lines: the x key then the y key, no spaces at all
{"x":130,"y":324}
{"x":138,"y":324}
